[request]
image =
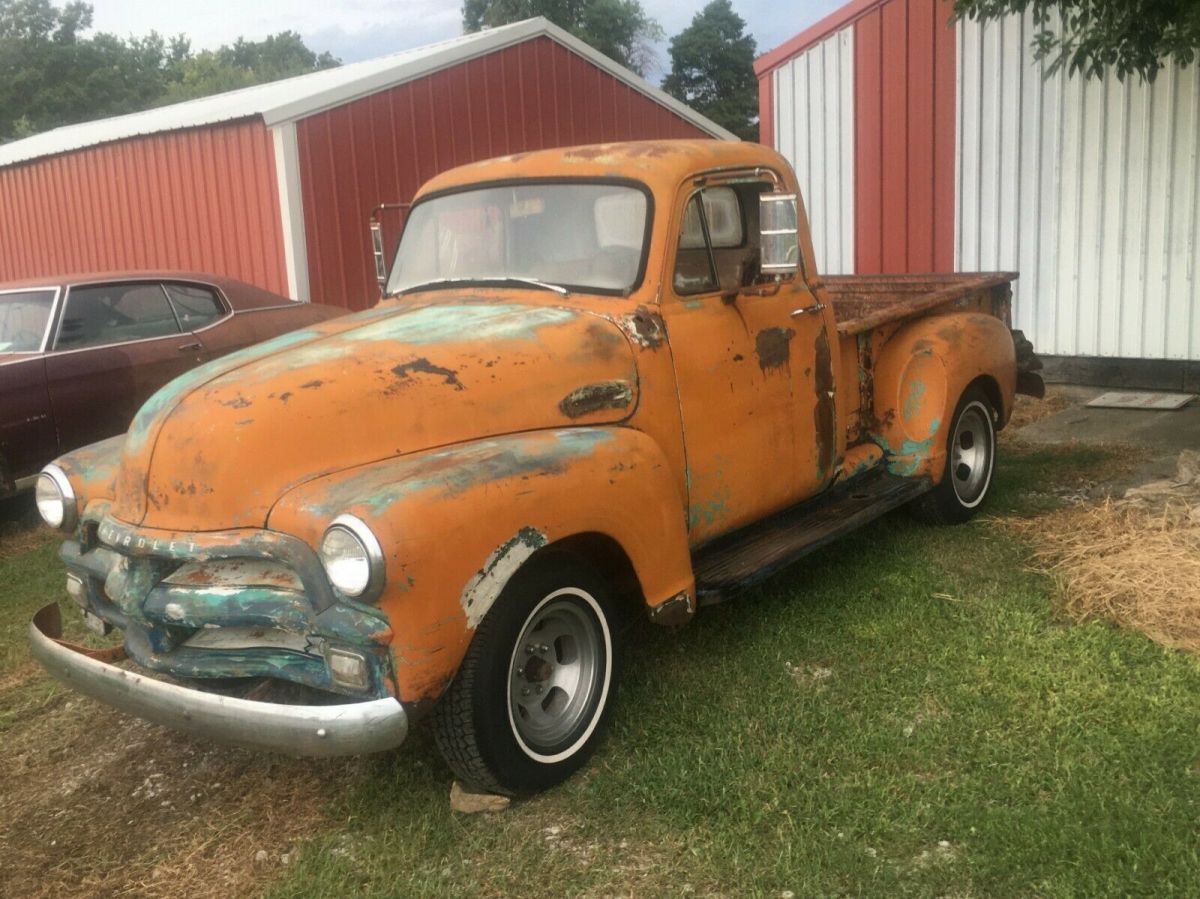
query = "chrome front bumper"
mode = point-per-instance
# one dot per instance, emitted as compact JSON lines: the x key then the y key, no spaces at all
{"x":305,"y":730}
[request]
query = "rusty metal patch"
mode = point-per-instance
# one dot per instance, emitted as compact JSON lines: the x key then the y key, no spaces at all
{"x":596,"y":397}
{"x":823,"y":412}
{"x":424,"y":366}
{"x":773,"y":346}
{"x":677,"y":610}
{"x":645,"y":327}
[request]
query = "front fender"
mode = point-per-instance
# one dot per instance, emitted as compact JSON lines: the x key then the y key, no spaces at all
{"x":920,"y":374}
{"x":455,"y":523}
{"x":92,"y":470}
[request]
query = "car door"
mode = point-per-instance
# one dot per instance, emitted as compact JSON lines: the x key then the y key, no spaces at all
{"x":27,"y":436}
{"x":115,"y":344}
{"x":202,"y":310}
{"x":746,"y":366}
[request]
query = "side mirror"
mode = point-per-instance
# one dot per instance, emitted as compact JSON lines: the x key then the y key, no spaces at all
{"x":377,"y":249}
{"x":778,"y":233}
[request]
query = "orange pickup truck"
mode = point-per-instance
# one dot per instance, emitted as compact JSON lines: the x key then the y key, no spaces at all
{"x":600,"y":379}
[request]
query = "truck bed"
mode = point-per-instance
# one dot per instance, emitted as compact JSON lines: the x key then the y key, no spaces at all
{"x":863,"y":302}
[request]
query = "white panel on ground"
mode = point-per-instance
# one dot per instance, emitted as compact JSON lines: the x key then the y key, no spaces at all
{"x":1091,"y":189}
{"x":814,"y":128}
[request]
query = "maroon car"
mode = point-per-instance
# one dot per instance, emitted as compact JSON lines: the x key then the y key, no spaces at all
{"x":79,"y":355}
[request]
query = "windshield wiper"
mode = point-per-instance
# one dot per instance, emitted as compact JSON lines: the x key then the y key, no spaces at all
{"x":499,"y":279}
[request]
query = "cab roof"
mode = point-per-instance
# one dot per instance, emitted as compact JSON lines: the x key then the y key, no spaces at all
{"x":661,"y":164}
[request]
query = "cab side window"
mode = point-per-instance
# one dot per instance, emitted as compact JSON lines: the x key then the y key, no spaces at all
{"x":115,"y":313}
{"x":715,"y":252}
{"x":195,"y":306}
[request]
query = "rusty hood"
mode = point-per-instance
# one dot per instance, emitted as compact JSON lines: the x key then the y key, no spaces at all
{"x":217,"y":447}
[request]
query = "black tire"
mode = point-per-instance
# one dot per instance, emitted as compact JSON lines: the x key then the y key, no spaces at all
{"x":968,"y":473}
{"x":506,"y":725}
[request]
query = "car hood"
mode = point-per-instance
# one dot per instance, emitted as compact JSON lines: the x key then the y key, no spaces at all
{"x":217,"y":447}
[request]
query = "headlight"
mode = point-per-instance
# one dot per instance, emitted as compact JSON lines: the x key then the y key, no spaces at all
{"x":55,"y":498}
{"x":353,"y":558}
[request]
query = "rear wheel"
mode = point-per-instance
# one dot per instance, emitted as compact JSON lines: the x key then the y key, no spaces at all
{"x":970,"y":461}
{"x":527,"y":706}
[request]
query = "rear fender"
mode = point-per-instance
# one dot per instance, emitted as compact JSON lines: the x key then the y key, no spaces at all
{"x":920,"y":375}
{"x":456,"y":523}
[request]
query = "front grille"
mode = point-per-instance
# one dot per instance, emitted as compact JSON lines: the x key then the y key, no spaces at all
{"x":238,"y":604}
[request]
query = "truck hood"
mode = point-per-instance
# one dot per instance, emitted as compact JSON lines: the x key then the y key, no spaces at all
{"x":217,"y":447}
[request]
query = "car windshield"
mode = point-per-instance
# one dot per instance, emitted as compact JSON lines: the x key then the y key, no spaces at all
{"x":587,"y":237}
{"x":24,"y":315}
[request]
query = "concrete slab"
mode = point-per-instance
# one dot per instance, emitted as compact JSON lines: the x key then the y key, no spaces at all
{"x":1163,"y":433}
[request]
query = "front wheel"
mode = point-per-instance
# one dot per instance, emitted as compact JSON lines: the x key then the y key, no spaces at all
{"x":534,"y":690}
{"x":970,"y":461}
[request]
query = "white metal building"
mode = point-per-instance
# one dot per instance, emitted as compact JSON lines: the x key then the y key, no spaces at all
{"x":924,"y":144}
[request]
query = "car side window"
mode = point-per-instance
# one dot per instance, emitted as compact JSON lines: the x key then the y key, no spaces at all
{"x":701,"y":266}
{"x":195,"y":306}
{"x":115,"y":313}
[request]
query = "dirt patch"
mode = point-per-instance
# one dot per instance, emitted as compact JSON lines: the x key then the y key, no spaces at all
{"x":1028,"y":409}
{"x":94,"y":803}
{"x":1134,"y":561}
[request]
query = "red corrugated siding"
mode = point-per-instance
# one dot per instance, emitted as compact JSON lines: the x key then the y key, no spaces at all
{"x":904,"y":78}
{"x":382,"y":148}
{"x":198,"y":200}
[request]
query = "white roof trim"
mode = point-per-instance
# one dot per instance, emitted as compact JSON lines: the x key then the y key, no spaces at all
{"x":304,"y":95}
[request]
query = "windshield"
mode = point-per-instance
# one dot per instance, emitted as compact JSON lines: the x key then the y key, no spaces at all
{"x":23,"y":318}
{"x":581,"y":236}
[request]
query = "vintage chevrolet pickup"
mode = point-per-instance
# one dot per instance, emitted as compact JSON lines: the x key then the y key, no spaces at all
{"x":600,"y":379}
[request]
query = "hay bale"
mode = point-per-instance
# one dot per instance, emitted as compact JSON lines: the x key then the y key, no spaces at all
{"x":1134,"y":561}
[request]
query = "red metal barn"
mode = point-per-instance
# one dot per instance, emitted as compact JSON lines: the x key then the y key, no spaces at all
{"x":274,"y":184}
{"x":926,"y":144}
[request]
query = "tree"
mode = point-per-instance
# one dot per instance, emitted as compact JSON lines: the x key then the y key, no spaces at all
{"x":244,"y":63}
{"x":620,"y":29}
{"x":1094,"y":36}
{"x":712,"y":69}
{"x":53,"y":72}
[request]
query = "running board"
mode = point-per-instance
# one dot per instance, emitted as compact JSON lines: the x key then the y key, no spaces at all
{"x":754,"y":553}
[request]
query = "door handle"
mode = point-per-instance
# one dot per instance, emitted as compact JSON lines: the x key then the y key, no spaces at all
{"x":188,"y":347}
{"x":815,"y":308}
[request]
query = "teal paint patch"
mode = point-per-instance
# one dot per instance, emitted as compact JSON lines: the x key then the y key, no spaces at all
{"x":444,"y":324}
{"x":347,"y":623}
{"x":914,"y":400}
{"x":448,"y":473}
{"x":95,"y":464}
{"x":911,"y":455}
{"x":196,"y":607}
{"x":170,"y":394}
{"x":905,"y":459}
{"x":713,"y":509}
{"x":407,"y":328}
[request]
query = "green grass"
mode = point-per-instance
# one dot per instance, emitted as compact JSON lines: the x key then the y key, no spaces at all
{"x":824,"y":734}
{"x":907,"y":688}
{"x":31,"y":575}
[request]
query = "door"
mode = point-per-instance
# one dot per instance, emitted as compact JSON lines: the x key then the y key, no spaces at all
{"x":202,"y":310}
{"x":27,"y":436}
{"x":114,"y":346}
{"x":748,"y":369}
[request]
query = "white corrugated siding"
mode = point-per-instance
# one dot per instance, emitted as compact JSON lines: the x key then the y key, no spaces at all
{"x":814,"y":130}
{"x":1090,"y":189}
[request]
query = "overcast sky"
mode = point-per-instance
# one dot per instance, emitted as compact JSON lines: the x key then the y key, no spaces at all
{"x":361,"y":29}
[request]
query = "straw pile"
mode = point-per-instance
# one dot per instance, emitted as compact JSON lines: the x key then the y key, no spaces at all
{"x":1135,"y":560}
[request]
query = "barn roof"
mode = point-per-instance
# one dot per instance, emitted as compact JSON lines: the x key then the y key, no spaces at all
{"x":295,"y":98}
